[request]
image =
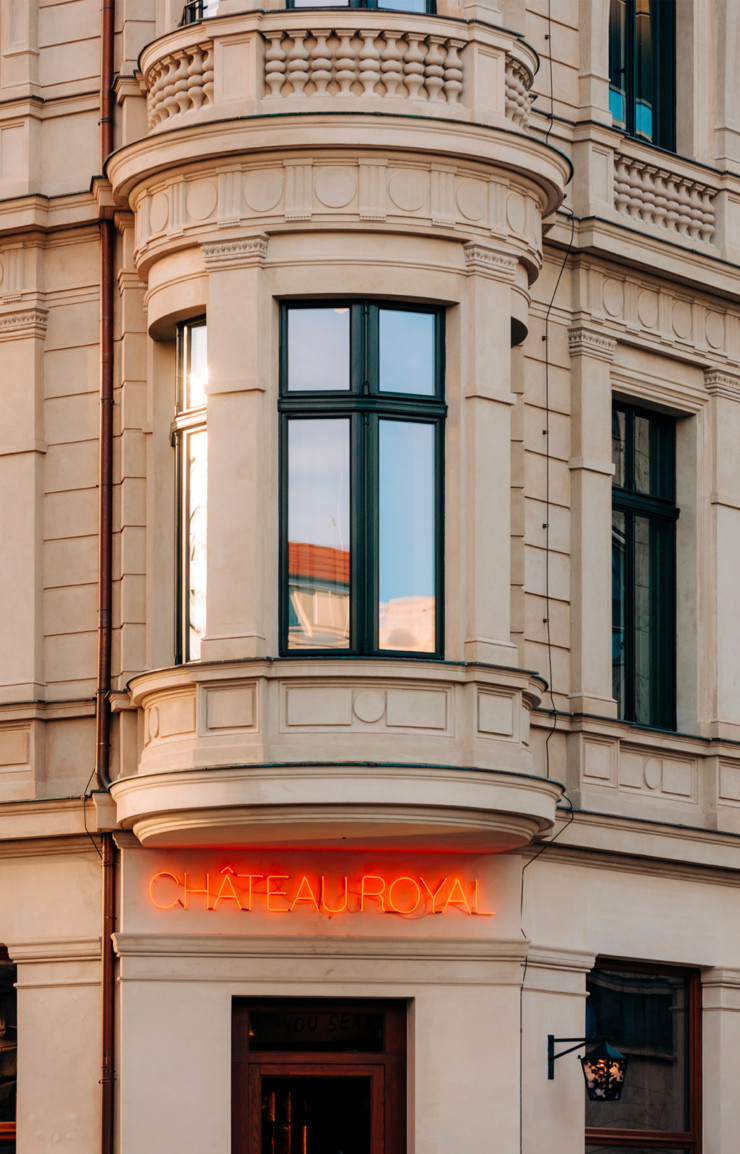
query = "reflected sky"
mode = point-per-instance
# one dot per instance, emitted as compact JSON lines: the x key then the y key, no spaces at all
{"x":197,"y":371}
{"x":318,"y":349}
{"x":406,"y":352}
{"x":318,"y":470}
{"x":406,"y":533}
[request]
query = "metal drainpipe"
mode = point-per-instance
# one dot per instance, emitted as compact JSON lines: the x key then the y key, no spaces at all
{"x":105,"y":589}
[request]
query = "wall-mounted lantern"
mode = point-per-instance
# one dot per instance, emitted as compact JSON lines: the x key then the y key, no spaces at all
{"x":603,"y":1066}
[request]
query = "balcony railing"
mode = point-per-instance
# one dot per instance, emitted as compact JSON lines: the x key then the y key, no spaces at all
{"x":408,"y":62}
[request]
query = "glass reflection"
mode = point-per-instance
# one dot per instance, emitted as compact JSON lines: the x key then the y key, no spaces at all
{"x":196,"y":372}
{"x":618,"y":609}
{"x":318,"y":533}
{"x":406,"y":537}
{"x":618,"y":63}
{"x":641,"y":437}
{"x":318,"y":349}
{"x":645,"y":70}
{"x":618,"y":448}
{"x":646,"y":1015}
{"x":8,"y":1045}
{"x":196,"y":513}
{"x":406,"y":352}
{"x":643,"y":619}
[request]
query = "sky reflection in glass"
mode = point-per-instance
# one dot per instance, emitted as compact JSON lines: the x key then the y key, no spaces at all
{"x":318,"y":349}
{"x":406,"y":536}
{"x":406,"y":352}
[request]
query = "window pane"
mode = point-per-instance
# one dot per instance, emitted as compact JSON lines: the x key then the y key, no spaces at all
{"x":318,"y":533}
{"x":407,"y":6}
{"x":643,"y":460}
{"x":635,"y":1149}
{"x":618,"y":448}
{"x":617,"y":61}
{"x":406,"y":536}
{"x":196,"y":448}
{"x":643,"y":619}
{"x":8,"y":1046}
{"x":618,"y":610}
{"x":196,"y":370}
{"x":305,"y":1115}
{"x":644,"y":69}
{"x":406,"y":352}
{"x":645,"y":1015}
{"x":318,"y":349}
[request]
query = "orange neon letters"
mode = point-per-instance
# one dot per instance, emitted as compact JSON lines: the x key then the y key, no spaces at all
{"x":369,"y":893}
{"x":412,"y":908}
{"x":284,"y":893}
{"x":325,"y":905}
{"x":161,"y":906}
{"x":272,"y":893}
{"x":309,"y":896}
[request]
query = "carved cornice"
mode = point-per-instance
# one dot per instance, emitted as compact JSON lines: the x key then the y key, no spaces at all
{"x":23,"y":323}
{"x":242,"y":253}
{"x":482,"y":260}
{"x":721,"y":383}
{"x":590,"y":342}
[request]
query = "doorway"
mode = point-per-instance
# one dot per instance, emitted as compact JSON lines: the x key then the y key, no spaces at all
{"x":318,"y":1077}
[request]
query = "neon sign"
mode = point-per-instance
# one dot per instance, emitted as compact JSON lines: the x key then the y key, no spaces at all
{"x":283,"y":893}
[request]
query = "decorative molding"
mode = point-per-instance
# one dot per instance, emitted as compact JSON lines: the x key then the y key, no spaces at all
{"x":23,"y":323}
{"x":721,"y":383}
{"x":554,"y":958}
{"x":663,"y":199}
{"x":63,"y":950}
{"x":179,"y":83}
{"x":518,"y":97}
{"x":584,"y":341}
{"x":365,"y":62}
{"x":484,"y":261}
{"x":247,"y":251}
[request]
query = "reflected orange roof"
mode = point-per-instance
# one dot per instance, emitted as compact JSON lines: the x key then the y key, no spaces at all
{"x":321,"y":562}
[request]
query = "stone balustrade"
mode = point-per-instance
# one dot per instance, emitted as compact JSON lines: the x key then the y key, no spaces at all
{"x":180,"y":82}
{"x":340,"y":62}
{"x":663,"y":199}
{"x":243,"y":64}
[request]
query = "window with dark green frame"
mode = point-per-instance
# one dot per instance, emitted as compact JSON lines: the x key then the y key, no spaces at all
{"x":644,"y":518}
{"x":642,"y":69}
{"x":8,"y":1053}
{"x":392,"y":5}
{"x":362,"y":412}
{"x":190,"y":438}
{"x":652,"y":1015}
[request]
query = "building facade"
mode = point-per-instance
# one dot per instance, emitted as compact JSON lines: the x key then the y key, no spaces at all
{"x":370,"y":508}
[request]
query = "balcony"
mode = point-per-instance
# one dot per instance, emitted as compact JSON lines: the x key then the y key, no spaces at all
{"x":425,"y":756}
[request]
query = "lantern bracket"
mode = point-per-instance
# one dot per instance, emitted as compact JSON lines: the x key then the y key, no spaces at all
{"x":552,"y":1057}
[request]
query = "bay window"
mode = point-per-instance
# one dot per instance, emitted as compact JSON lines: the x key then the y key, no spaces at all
{"x":362,"y":412}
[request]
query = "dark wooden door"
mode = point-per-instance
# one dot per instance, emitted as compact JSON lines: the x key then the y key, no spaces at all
{"x":319,"y":1077}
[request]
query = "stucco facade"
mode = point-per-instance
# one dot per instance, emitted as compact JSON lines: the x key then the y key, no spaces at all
{"x":462,"y":833}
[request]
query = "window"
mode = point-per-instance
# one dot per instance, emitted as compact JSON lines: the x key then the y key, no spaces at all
{"x":642,"y":58}
{"x":653,"y":1016}
{"x":191,"y":440}
{"x":8,"y":1052}
{"x":393,"y":5}
{"x":644,"y":567}
{"x":361,"y":429}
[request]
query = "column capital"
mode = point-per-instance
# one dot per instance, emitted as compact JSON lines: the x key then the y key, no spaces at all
{"x":241,"y":252}
{"x":588,"y":341}
{"x":22,"y":323}
{"x":483,"y":260}
{"x":722,"y":383}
